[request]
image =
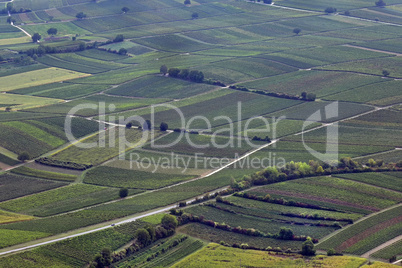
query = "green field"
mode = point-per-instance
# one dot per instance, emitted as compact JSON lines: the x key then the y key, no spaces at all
{"x":105,"y":145}
{"x":265,"y":225}
{"x":389,"y":180}
{"x":61,"y":200}
{"x":341,"y":57}
{"x":354,"y":196}
{"x":14,"y":186}
{"x":215,"y":255}
{"x":389,"y":252}
{"x":43,"y":174}
{"x":212,"y":107}
{"x":116,"y":177}
{"x":7,"y":217}
{"x":42,"y":135}
{"x":160,"y":87}
{"x":367,"y":234}
{"x":319,"y":83}
{"x":20,"y":102}
{"x":61,"y":90}
{"x":88,"y":108}
{"x":39,"y":77}
{"x":203,"y":145}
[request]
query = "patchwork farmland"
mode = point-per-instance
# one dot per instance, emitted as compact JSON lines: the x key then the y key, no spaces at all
{"x":166,"y":133}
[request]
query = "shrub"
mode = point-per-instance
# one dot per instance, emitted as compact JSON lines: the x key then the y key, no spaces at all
{"x":331,"y":252}
{"x":169,"y":222}
{"x":330,"y":10}
{"x":24,"y":156}
{"x":163,"y":126}
{"x":308,"y":248}
{"x":123,"y":192}
{"x":143,"y":236}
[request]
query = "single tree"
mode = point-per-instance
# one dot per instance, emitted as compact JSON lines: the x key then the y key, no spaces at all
{"x":122,"y":51}
{"x":296,"y":30}
{"x":11,"y":20}
{"x":169,"y":222}
{"x":9,"y":7}
{"x":163,"y":127}
{"x":163,"y":69}
{"x":347,"y":13}
{"x":123,"y":192}
{"x":81,"y":15}
{"x":118,"y":38}
{"x":331,"y":252}
{"x":286,"y":233}
{"x":380,"y":3}
{"x":310,"y":97}
{"x":24,"y":156}
{"x":147,"y":125}
{"x":184,"y":74}
{"x":174,"y":72}
{"x":196,"y":76}
{"x":36,"y":37}
{"x":187,"y":2}
{"x":304,"y":95}
{"x":129,"y":125}
{"x":151,"y":231}
{"x":330,"y":10}
{"x":194,"y":15}
{"x":125,"y":9}
{"x":104,"y":259}
{"x":52,"y":31}
{"x":267,"y":2}
{"x":8,"y":109}
{"x":143,"y":236}
{"x":308,"y":248}
{"x":82,"y":46}
{"x":385,"y":73}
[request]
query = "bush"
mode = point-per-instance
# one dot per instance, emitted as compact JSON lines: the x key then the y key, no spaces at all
{"x":380,"y":3}
{"x":286,"y":234}
{"x":122,"y":51}
{"x":164,"y":126}
{"x":169,"y":222}
{"x":330,"y":10}
{"x":118,"y":38}
{"x":331,"y":252}
{"x":123,"y":192}
{"x":308,"y":248}
{"x":143,"y":236}
{"x":24,"y":156}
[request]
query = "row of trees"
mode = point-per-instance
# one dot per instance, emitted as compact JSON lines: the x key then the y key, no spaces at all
{"x":10,"y":9}
{"x":185,"y":74}
{"x":143,"y":237}
{"x":148,"y":126}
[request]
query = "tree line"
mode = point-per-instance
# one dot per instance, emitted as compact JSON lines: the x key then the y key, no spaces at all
{"x":185,"y":74}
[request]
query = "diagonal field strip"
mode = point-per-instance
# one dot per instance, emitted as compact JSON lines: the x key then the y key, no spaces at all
{"x":386,"y":244}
